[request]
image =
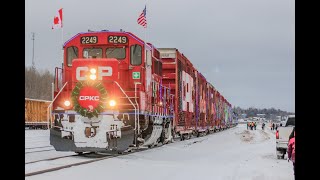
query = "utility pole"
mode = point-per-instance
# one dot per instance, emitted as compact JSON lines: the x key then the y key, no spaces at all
{"x":33,"y":64}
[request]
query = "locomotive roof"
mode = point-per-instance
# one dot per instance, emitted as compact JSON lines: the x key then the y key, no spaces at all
{"x":105,"y":31}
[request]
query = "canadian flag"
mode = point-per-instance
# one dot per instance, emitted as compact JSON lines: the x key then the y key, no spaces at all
{"x":57,"y":20}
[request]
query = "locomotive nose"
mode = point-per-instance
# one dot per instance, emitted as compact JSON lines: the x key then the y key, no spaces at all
{"x":94,"y":69}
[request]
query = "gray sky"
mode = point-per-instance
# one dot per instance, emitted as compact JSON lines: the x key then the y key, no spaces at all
{"x":245,"y":48}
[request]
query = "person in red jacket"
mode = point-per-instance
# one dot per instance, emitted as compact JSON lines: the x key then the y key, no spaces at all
{"x":291,"y":150}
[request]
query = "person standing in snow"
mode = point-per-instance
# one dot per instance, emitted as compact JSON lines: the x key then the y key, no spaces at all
{"x":291,"y":150}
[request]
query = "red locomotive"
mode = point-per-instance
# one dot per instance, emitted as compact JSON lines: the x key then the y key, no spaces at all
{"x":114,"y":92}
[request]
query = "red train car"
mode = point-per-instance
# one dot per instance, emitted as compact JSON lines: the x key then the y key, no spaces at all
{"x":180,"y":75}
{"x":114,"y":92}
{"x":198,"y":106}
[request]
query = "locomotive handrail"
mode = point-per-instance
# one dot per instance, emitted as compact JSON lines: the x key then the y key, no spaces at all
{"x":135,"y":98}
{"x":135,"y":111}
{"x":50,"y":105}
{"x":56,"y":72}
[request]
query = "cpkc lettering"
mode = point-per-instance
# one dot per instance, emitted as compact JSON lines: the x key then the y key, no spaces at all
{"x":90,"y":98}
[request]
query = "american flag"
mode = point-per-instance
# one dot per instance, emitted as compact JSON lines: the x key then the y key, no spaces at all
{"x":142,"y":20}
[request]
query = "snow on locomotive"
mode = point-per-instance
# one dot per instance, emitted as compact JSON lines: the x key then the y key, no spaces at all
{"x":114,"y":92}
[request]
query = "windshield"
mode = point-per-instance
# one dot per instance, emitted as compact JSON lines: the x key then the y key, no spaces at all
{"x":92,"y":53}
{"x":72,"y":53}
{"x":118,"y":53}
{"x":290,"y":121}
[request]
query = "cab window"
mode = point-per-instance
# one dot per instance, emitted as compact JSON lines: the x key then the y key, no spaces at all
{"x":72,"y":53}
{"x":136,"y":55}
{"x":160,"y":68}
{"x":92,"y":53}
{"x":155,"y":66}
{"x":118,"y":53}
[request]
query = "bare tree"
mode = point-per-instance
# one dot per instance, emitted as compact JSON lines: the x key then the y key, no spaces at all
{"x":38,"y":84}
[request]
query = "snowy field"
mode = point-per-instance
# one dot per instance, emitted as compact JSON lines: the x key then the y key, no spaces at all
{"x":37,"y":146}
{"x":233,"y":154}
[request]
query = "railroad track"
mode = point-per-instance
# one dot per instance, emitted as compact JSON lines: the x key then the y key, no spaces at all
{"x":49,"y":159}
{"x":39,"y":151}
{"x":59,"y":157}
{"x":97,"y":158}
{"x":38,"y":147}
{"x":102,"y":157}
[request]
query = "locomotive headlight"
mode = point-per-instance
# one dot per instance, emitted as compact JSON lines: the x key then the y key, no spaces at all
{"x":93,"y":71}
{"x":93,"y":77}
{"x":112,"y":103}
{"x":67,"y":103}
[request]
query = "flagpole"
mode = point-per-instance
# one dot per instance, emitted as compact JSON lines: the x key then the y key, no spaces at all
{"x":62,"y":42}
{"x":62,"y":37}
{"x":146,"y":30}
{"x":145,"y":41}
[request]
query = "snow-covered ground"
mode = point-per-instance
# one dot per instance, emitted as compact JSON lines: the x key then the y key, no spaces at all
{"x":37,"y":146}
{"x":234,"y":154}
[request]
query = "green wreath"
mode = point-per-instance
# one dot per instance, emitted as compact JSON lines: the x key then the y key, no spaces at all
{"x":75,"y":96}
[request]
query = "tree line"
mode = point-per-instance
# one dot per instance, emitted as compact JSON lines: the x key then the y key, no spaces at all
{"x":38,"y":83}
{"x":270,"y":113}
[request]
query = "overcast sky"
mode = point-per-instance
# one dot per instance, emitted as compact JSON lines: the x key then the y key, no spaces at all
{"x":245,"y":48}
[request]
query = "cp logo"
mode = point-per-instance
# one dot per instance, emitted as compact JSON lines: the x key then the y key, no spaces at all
{"x":102,"y":71}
